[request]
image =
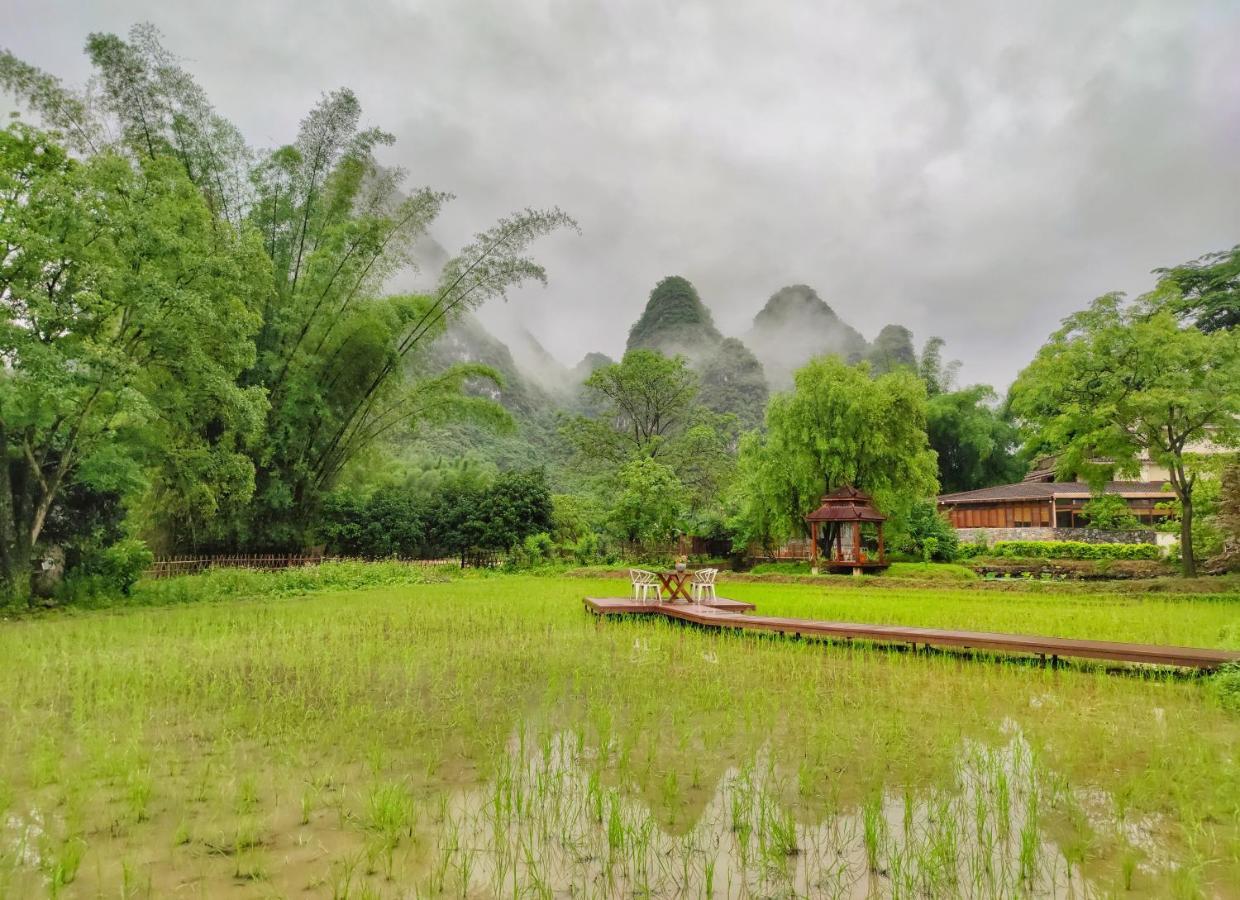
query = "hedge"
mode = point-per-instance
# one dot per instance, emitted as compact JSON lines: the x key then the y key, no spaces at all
{"x":1070,"y":550}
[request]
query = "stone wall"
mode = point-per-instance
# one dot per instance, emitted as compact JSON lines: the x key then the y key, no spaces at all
{"x":1085,"y":535}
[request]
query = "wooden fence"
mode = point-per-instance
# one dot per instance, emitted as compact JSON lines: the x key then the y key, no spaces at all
{"x":798,"y":548}
{"x":170,"y":567}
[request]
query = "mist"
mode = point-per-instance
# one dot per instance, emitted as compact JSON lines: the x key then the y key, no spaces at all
{"x":975,"y":172}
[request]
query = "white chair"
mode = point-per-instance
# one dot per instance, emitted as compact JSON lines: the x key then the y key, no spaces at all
{"x":644,"y":584}
{"x":702,"y":585}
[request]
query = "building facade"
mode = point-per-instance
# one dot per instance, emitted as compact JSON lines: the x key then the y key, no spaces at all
{"x":1049,"y":504}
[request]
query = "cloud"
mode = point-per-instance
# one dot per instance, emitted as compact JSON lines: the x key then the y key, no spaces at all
{"x":973,"y":170}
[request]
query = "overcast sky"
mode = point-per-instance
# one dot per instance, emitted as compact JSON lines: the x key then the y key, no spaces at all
{"x":975,"y":170}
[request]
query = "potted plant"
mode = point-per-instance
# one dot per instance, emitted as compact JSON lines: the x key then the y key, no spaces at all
{"x":681,"y":562}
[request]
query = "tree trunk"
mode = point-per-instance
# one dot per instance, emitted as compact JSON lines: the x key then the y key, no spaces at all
{"x":8,"y":525}
{"x":1189,"y":561}
{"x":16,"y":548}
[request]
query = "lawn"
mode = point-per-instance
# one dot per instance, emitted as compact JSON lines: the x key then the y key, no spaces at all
{"x":485,"y":736}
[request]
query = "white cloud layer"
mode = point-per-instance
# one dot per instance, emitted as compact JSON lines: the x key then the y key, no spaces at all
{"x":975,"y":170}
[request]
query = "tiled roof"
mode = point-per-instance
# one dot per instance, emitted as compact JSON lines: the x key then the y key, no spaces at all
{"x":1045,"y":490}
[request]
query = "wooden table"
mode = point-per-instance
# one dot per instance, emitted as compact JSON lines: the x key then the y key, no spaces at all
{"x":674,"y":584}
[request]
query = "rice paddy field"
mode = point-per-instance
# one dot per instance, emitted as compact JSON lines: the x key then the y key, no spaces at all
{"x":486,"y":737}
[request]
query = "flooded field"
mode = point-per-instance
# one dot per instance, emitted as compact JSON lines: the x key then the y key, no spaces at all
{"x":487,"y":738}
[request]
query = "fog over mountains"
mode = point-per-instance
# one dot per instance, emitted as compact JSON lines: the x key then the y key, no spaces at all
{"x":794,"y":325}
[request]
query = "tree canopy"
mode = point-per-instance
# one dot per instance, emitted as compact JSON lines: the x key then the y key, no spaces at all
{"x":645,"y":400}
{"x":837,"y":427}
{"x":1125,"y":380}
{"x":1206,"y":291}
{"x":892,"y":349}
{"x":128,"y":317}
{"x":331,"y":348}
{"x":975,"y":442}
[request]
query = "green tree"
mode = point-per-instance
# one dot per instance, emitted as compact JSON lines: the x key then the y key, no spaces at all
{"x":128,"y":316}
{"x":1124,"y":380}
{"x":1228,"y":520}
{"x":335,"y":349}
{"x":938,"y":375}
{"x":1206,"y":291}
{"x":648,"y":409}
{"x":892,"y":350}
{"x":733,"y":382}
{"x":646,"y":400}
{"x":649,"y":504}
{"x":975,"y":442}
{"x":838,"y":426}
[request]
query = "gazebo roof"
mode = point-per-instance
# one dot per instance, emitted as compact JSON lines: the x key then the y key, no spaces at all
{"x":846,"y":504}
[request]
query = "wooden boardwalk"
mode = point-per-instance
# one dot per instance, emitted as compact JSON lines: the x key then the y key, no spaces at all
{"x":732,"y":614}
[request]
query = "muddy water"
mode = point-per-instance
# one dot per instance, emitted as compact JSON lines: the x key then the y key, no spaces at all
{"x":552,"y":822}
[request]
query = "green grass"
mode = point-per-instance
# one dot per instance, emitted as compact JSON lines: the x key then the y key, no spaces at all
{"x":916,"y":570}
{"x":485,"y":735}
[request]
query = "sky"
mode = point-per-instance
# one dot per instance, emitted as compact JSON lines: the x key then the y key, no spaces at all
{"x":976,"y":170}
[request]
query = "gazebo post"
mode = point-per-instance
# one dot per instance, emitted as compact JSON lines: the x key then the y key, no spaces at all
{"x":856,"y":547}
{"x":813,"y":553}
{"x":882,"y":554}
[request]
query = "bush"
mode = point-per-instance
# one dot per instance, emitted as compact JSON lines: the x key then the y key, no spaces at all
{"x":1110,"y":512}
{"x":1225,"y":686}
{"x":585,"y":550}
{"x":454,"y":518}
{"x":1071,"y":550}
{"x":107,"y":572}
{"x":928,"y":535}
{"x":221,"y":584}
{"x":930,"y":571}
{"x":781,"y":568}
{"x":536,"y":550}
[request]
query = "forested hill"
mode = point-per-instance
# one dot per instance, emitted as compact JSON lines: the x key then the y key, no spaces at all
{"x":468,"y":341}
{"x":796,"y":325}
{"x":675,"y":321}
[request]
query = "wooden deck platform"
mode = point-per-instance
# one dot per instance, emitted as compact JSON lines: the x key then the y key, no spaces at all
{"x":723,"y":613}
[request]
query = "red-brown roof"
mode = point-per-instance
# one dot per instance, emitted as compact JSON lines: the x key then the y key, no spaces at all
{"x":846,"y":504}
{"x":1045,"y":490}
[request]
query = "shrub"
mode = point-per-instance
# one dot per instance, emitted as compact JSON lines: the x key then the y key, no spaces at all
{"x":1110,"y":512}
{"x":107,"y":572}
{"x":930,"y":571}
{"x":1225,"y":686}
{"x":1072,"y":550}
{"x":928,"y":536}
{"x":536,"y":550}
{"x":219,"y":584}
{"x":585,"y":550}
{"x":781,"y":568}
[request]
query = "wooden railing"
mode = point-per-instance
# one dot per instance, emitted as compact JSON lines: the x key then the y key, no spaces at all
{"x":798,"y":548}
{"x":169,"y":567}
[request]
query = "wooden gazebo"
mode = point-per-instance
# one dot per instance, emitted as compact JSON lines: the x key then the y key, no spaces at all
{"x":838,"y":523}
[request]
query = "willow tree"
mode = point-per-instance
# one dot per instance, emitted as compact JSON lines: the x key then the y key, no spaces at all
{"x":1125,"y":380}
{"x":838,"y":426}
{"x":335,"y":346}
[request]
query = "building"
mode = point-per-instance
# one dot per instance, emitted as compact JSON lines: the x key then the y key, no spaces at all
{"x":1048,"y":505}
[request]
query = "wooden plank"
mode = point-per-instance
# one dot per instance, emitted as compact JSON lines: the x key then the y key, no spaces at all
{"x":1037,"y":645}
{"x":618,"y":606}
